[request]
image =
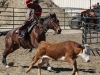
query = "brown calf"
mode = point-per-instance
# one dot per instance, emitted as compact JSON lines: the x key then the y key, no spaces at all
{"x":66,"y":51}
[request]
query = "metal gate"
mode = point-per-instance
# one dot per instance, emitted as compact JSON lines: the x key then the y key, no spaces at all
{"x":91,"y":36}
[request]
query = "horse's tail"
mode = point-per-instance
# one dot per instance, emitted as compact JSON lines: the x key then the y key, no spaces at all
{"x":4,"y":33}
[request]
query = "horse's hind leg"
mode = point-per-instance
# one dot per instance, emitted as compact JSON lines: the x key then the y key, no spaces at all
{"x":7,"y":51}
{"x":4,"y":59}
{"x":5,"y":54}
{"x":8,"y":44}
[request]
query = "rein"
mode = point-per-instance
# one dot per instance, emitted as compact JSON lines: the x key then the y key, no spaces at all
{"x":49,"y":23}
{"x":45,"y":29}
{"x":42,"y":27}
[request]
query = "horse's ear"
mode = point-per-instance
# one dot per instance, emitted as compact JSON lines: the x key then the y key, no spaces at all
{"x":55,"y":14}
{"x":50,"y":14}
{"x":41,"y":20}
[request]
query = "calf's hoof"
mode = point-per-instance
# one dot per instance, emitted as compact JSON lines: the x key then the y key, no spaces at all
{"x":49,"y":69}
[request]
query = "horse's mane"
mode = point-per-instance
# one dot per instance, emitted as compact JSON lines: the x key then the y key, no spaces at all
{"x":51,"y":15}
{"x":46,"y":17}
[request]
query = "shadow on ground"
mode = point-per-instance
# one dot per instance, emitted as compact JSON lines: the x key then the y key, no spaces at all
{"x":58,"y":70}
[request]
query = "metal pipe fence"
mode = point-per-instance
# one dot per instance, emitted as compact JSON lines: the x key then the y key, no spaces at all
{"x":91,"y":35}
{"x":13,"y":17}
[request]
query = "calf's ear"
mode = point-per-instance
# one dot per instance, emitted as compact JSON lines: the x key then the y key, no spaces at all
{"x":79,"y":46}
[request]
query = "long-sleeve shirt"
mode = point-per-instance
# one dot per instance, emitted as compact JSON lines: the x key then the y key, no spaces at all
{"x":37,"y":9}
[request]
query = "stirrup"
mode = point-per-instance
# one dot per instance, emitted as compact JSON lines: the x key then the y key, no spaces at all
{"x":20,"y":37}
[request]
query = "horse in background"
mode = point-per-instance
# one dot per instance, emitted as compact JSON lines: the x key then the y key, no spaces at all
{"x":38,"y":34}
{"x":88,"y":15}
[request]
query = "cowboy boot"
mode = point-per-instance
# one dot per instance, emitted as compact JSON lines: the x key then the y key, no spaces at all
{"x":21,"y":34}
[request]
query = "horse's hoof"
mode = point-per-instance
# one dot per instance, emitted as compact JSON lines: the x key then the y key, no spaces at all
{"x":11,"y":63}
{"x":49,"y":69}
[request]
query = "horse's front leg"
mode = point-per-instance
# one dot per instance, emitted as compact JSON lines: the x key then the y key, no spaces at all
{"x":30,"y":50}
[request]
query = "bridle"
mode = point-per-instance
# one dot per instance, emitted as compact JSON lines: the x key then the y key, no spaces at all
{"x":44,"y":29}
{"x":54,"y":21}
{"x":50,"y":22}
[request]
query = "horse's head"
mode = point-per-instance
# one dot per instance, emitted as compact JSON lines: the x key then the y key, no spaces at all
{"x":51,"y":22}
{"x":54,"y":23}
{"x":91,"y":13}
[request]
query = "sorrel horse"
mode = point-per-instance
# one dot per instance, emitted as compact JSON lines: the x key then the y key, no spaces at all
{"x":37,"y":35}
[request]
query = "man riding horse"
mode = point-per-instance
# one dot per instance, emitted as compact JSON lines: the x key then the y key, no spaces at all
{"x":33,"y":15}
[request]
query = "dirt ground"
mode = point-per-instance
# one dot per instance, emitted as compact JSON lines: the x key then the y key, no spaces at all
{"x":22,"y":58}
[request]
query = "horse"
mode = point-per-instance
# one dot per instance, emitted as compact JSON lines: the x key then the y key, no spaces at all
{"x":90,"y":17}
{"x":38,"y":34}
{"x":87,"y":15}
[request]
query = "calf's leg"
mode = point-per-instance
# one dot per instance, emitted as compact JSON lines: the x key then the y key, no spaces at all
{"x":34,"y":60}
{"x":43,"y":61}
{"x":74,"y":65}
{"x":75,"y":70}
{"x":48,"y":66}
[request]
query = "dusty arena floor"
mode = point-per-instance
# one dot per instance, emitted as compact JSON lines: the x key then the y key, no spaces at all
{"x":22,"y":58}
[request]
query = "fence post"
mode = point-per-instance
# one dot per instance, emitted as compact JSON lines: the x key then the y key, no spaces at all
{"x":64,"y":17}
{"x":13,"y":18}
{"x":84,"y":32}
